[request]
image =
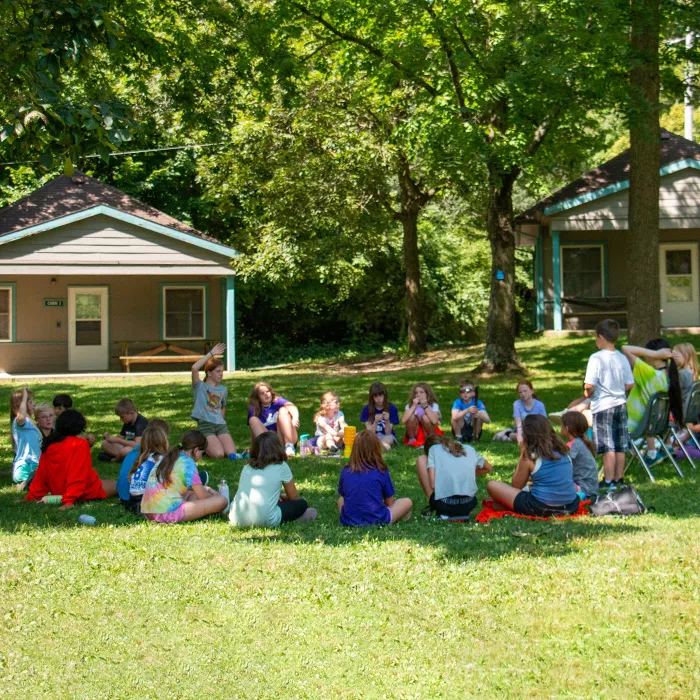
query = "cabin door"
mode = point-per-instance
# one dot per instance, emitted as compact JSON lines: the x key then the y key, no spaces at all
{"x":678,"y":267}
{"x":88,"y":329}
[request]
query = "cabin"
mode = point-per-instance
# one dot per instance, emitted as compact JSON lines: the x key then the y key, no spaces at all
{"x":580,"y":234}
{"x":93,"y":280}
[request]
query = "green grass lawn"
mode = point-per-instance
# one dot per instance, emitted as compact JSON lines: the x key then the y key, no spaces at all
{"x":584,"y":608}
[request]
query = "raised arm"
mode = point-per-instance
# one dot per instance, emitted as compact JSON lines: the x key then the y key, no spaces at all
{"x":632,"y":352}
{"x":21,"y":416}
{"x":197,"y":366}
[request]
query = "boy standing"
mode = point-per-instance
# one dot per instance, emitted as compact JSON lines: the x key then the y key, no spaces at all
{"x":608,"y":379}
{"x":116,"y":447}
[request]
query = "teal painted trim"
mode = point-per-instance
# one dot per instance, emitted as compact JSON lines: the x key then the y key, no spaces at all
{"x":584,"y":244}
{"x":161,"y":307}
{"x":556,"y":274}
{"x":230,"y":323}
{"x":12,"y":286}
{"x":618,"y":187}
{"x":539,"y":281}
{"x":129,"y":219}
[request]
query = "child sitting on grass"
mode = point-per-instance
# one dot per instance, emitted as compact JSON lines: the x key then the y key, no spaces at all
{"x":421,"y":416}
{"x":26,"y":438}
{"x":380,"y":416}
{"x":174,"y":492}
{"x":447,"y":473}
{"x":65,"y":468}
{"x":574,"y":430}
{"x":330,"y":423}
{"x":62,"y":402}
{"x":544,"y":458}
{"x":528,"y":404}
{"x":116,"y":447}
{"x":468,"y":413}
{"x":45,"y":419}
{"x":269,"y":412}
{"x":257,"y":501}
{"x":365,"y":488}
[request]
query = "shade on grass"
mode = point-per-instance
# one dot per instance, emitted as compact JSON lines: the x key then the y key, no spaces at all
{"x":423,"y":609}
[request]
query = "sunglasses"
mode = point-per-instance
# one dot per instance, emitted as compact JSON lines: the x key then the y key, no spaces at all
{"x":466,"y":389}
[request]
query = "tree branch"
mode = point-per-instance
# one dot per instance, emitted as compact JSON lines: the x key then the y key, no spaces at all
{"x":320,"y":48}
{"x":369,"y":47}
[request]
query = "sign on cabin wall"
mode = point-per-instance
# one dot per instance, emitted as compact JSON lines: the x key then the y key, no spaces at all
{"x":54,"y":303}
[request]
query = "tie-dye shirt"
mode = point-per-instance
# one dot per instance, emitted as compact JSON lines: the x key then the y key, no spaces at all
{"x":158,"y":498}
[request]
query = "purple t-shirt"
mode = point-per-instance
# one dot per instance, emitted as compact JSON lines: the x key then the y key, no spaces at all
{"x":364,"y":495}
{"x":381,"y":426}
{"x":269,"y":415}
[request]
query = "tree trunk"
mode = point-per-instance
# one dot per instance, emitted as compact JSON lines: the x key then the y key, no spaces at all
{"x":412,"y":202}
{"x":499,"y":354}
{"x":643,"y":289}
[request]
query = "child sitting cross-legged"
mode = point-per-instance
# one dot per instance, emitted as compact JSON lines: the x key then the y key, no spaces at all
{"x":330,"y":423}
{"x":447,"y":472}
{"x":365,"y":488}
{"x":116,"y":447}
{"x":421,"y":416}
{"x":65,"y":469}
{"x":380,"y":416}
{"x":258,"y":501}
{"x":544,"y":459}
{"x":574,"y":429}
{"x":174,"y":491}
{"x":468,"y":413}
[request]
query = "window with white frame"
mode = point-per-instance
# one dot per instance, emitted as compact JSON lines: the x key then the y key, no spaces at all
{"x":582,"y":270}
{"x":6,"y":303}
{"x":184,"y":312}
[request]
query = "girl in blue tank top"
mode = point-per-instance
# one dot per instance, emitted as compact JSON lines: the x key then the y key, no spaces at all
{"x":544,"y":459}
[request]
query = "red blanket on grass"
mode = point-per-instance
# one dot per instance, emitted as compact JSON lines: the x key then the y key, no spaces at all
{"x":420,"y":438}
{"x":488,"y":513}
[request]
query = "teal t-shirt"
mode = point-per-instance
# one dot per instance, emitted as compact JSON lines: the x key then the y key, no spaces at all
{"x":27,"y":439}
{"x":255,"y":503}
{"x":647,"y":382}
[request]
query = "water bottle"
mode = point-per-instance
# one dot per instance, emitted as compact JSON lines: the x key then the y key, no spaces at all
{"x":86,"y":519}
{"x":223,"y":490}
{"x":304,"y":446}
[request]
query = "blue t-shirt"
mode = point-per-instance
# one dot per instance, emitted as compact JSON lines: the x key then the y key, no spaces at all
{"x":364,"y":493}
{"x":520,"y":411}
{"x":553,"y":480}
{"x":27,"y":440}
{"x":268,"y":414}
{"x":123,"y":478}
{"x":461,"y":405}
{"x":382,"y":426}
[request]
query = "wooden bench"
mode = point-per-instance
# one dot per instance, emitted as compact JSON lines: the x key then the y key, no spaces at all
{"x":154,"y":356}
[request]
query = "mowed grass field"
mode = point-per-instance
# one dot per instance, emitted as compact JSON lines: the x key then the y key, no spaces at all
{"x":589,"y":607}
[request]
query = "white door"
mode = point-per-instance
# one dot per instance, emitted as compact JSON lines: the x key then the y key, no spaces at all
{"x":678,"y":267}
{"x":88,"y":328}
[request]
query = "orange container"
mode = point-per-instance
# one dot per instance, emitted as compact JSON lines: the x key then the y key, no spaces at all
{"x":349,"y":439}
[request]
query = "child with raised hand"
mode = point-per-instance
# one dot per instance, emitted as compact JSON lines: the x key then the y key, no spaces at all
{"x":544,"y":458}
{"x":258,"y":501}
{"x":269,"y":412}
{"x":380,"y":416}
{"x":330,"y":423}
{"x":365,"y":488}
{"x":447,"y":473}
{"x":137,"y":465}
{"x":209,"y":408}
{"x":26,"y":437}
{"x":468,"y":413}
{"x":421,"y":416}
{"x":116,"y":447}
{"x":65,"y":468}
{"x":174,"y":492}
{"x":574,"y":430}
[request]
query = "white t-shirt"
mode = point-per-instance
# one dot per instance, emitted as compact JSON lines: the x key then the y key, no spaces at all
{"x":454,"y":476}
{"x":608,"y":371}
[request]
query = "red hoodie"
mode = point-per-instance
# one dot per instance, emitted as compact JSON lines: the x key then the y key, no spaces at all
{"x":65,"y":469}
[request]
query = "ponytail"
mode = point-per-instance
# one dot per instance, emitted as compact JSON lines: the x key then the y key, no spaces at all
{"x":675,"y":394}
{"x":189,"y":441}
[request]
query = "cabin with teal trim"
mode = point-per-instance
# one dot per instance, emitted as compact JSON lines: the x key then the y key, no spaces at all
{"x":580,"y":235}
{"x":93,"y":280}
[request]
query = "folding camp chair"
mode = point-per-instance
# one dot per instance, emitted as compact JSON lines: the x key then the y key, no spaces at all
{"x":691,"y":415}
{"x":654,"y":424}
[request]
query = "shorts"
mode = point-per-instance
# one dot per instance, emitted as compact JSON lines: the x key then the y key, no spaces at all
{"x":453,"y":506}
{"x":133,"y":505}
{"x":610,"y":430}
{"x":391,"y":436}
{"x":212,"y":429}
{"x":175,"y":516}
{"x":526,"y":504}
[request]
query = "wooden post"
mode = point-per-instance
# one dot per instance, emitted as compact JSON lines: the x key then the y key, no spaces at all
{"x":556,"y":279}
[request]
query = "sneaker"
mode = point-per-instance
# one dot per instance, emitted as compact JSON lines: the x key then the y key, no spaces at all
{"x":455,"y":518}
{"x":412,"y":442}
{"x":308,"y":514}
{"x":620,"y":482}
{"x":244,"y":454}
{"x":289,"y":449}
{"x":427,"y":513}
{"x":607,"y":485}
{"x":651,"y":461}
{"x":204,"y":476}
{"x":104,"y":457}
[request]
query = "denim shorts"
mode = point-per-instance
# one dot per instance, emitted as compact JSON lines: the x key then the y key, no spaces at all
{"x":526,"y":504}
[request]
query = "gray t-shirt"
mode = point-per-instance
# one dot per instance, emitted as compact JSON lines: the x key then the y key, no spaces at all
{"x":208,"y":402}
{"x":454,"y":476}
{"x":255,"y":503}
{"x":585,"y":467}
{"x":685,"y":377}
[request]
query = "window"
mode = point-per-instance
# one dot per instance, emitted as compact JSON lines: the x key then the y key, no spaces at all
{"x":679,"y":275}
{"x":184,"y":312}
{"x":582,"y":271}
{"x":7,"y":303}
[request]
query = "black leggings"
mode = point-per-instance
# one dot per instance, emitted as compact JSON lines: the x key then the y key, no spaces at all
{"x":291,"y":510}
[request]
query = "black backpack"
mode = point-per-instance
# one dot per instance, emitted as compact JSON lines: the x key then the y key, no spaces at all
{"x":623,"y":501}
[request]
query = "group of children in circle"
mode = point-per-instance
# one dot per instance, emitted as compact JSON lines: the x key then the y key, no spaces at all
{"x":163,"y":483}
